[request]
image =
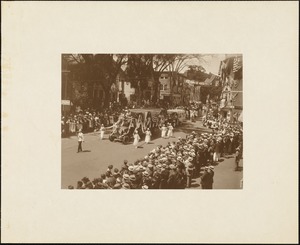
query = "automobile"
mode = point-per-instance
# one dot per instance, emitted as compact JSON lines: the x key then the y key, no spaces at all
{"x":180,"y":114}
{"x":124,"y":136}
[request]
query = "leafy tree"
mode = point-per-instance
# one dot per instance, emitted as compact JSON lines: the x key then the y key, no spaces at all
{"x":99,"y":69}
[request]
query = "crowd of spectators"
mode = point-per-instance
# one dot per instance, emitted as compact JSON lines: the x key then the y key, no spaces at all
{"x":170,"y":167}
{"x":166,"y":167}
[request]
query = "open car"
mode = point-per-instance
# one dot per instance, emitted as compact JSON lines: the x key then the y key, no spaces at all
{"x":125,"y":136}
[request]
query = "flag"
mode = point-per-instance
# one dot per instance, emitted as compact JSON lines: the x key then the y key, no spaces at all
{"x":237,"y":68}
{"x":237,"y":64}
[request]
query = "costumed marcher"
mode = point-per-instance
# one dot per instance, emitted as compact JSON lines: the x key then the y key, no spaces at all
{"x":136,"y":138}
{"x":102,"y":131}
{"x":170,"y":130}
{"x":163,"y":131}
{"x":148,"y":136}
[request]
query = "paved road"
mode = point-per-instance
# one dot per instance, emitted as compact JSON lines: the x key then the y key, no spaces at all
{"x":99,"y":154}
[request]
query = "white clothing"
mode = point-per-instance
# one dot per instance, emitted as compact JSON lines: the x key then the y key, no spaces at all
{"x":102,"y":131}
{"x":216,"y":156}
{"x":136,"y":139}
{"x":170,"y":131}
{"x":80,"y":136}
{"x":148,"y":136}
{"x":163,"y":131}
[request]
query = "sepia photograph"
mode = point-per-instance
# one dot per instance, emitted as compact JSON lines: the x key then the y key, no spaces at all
{"x":153,"y":98}
{"x":152,"y":121}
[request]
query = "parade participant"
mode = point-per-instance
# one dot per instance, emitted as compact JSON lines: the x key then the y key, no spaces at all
{"x":136,"y":139}
{"x":170,"y":130}
{"x":80,"y":140}
{"x":102,"y":131}
{"x":148,"y":136}
{"x":139,"y":125}
{"x":163,"y":131}
{"x":148,"y":122}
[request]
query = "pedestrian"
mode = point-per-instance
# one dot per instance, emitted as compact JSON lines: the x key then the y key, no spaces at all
{"x":173,"y":176}
{"x":204,"y":179}
{"x":80,"y":140}
{"x":163,"y":131}
{"x":136,"y":138}
{"x":189,"y":174}
{"x":148,"y":136}
{"x":217,"y":148}
{"x":210,"y":180}
{"x":170,"y":130}
{"x":237,"y":158}
{"x":102,"y":131}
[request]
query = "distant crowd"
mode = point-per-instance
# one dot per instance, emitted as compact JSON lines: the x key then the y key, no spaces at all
{"x":90,"y":120}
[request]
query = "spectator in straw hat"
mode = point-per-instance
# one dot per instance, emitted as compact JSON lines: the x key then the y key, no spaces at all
{"x":133,"y":183}
{"x":164,"y":177}
{"x":124,"y":167}
{"x":173,"y":176}
{"x":146,"y":179}
{"x":189,"y":174}
{"x":125,"y":186}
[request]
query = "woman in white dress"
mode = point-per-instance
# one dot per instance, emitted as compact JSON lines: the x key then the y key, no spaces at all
{"x":102,"y":131}
{"x":148,"y":136}
{"x":136,"y":138}
{"x":170,"y":130}
{"x":163,"y":131}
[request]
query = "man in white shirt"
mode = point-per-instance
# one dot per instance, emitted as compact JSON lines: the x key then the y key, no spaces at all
{"x":80,"y":140}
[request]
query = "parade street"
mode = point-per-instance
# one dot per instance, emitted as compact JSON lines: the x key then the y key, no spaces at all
{"x":98,"y":154}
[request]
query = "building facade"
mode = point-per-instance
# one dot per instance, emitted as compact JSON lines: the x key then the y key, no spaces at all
{"x":231,"y":73}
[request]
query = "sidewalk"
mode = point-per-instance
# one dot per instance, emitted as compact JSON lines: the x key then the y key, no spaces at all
{"x":225,"y":176}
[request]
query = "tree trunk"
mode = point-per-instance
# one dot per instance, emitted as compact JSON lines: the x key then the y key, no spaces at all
{"x":106,"y":98}
{"x":155,"y":79}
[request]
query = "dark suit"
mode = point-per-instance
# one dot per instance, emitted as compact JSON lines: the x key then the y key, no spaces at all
{"x":205,"y":180}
